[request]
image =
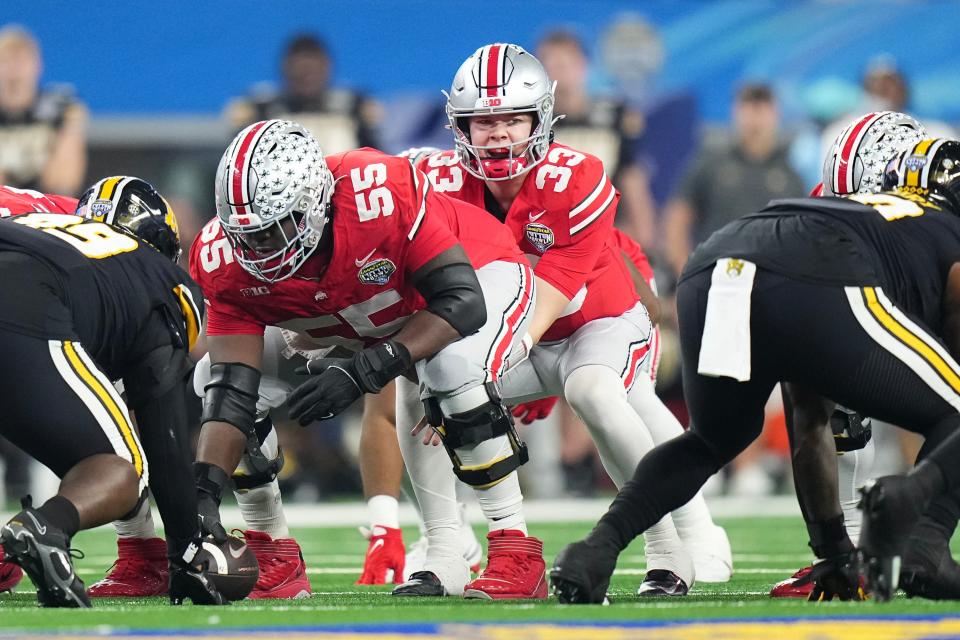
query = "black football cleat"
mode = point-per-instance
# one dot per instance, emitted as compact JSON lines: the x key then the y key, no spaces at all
{"x":421,"y":583}
{"x":660,"y":582}
{"x":43,"y":551}
{"x":928,"y":569}
{"x":891,"y":507}
{"x":581,"y":573}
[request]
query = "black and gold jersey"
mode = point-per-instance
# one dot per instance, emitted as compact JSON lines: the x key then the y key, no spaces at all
{"x":898,"y":241}
{"x":69,"y":278}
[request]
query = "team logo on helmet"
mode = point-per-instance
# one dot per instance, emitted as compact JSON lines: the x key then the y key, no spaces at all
{"x":101,"y":208}
{"x":539,"y":235}
{"x":915,"y":163}
{"x":377,"y":272}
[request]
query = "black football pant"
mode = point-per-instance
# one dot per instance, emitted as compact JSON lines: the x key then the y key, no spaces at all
{"x":847,"y":344}
{"x":59,"y":407}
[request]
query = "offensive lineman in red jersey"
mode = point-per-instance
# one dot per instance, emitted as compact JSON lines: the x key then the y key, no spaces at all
{"x":594,"y":334}
{"x":375,"y":266}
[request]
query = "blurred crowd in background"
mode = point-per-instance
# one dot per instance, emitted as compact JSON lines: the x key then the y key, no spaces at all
{"x":680,"y":177}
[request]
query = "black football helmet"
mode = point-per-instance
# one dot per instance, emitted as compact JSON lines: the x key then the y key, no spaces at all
{"x":135,"y":207}
{"x":929,"y":168}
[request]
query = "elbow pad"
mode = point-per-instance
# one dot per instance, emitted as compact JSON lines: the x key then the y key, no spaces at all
{"x":453,"y":293}
{"x":231,"y":395}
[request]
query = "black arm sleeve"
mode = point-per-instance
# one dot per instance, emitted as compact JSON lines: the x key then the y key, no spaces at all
{"x":453,"y":293}
{"x":165,"y":437}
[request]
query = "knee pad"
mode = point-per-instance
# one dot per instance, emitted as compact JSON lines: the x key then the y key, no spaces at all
{"x":263,"y":459}
{"x":486,"y":422}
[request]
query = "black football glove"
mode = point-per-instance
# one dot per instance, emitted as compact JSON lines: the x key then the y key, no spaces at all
{"x":337,"y":382}
{"x":211,"y":480}
{"x":836,"y":577}
{"x":189,"y":580}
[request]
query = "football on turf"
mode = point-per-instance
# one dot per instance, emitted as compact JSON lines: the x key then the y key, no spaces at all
{"x":231,"y":566}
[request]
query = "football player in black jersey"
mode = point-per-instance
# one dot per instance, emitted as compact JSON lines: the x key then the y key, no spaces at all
{"x":86,"y":302}
{"x":856,"y":299}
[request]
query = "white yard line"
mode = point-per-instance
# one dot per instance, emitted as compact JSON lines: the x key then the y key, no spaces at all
{"x":342,"y":514}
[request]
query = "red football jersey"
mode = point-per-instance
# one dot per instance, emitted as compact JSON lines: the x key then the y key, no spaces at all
{"x":635,"y":253}
{"x":386,"y":224}
{"x":562,"y":218}
{"x":14,"y":202}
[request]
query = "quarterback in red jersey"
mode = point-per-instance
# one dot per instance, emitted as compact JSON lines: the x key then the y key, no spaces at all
{"x":381,"y":266}
{"x":593,"y":334}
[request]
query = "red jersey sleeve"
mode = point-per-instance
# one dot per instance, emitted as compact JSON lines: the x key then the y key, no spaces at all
{"x":634,"y":253}
{"x":210,"y":263}
{"x":587,"y":213}
{"x":14,"y":202}
{"x":817,"y":191}
{"x":429,"y":233}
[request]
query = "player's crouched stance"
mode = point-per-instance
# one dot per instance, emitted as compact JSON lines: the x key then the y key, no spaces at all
{"x":770,"y":298}
{"x":87,"y":302}
{"x":406,"y":279}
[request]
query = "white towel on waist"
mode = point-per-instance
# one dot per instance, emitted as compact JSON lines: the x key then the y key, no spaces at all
{"x":725,"y":346}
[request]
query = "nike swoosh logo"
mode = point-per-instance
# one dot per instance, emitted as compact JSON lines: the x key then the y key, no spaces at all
{"x":376,"y":545}
{"x":534,"y":218}
{"x":362,"y":261}
{"x":236,"y":553}
{"x":41,"y":529}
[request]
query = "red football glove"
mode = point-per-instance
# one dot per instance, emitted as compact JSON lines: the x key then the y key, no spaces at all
{"x":528,"y":412}
{"x":385,"y":556}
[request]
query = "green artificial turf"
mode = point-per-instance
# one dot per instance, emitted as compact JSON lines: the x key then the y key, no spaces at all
{"x":765,"y":550}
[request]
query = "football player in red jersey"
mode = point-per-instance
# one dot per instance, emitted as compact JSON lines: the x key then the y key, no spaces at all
{"x":406,"y":279}
{"x":646,"y":287}
{"x":594,"y":336}
{"x":854,"y":163}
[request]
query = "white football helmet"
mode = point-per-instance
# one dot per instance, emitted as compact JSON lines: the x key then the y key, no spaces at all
{"x":501,"y":78}
{"x":273,"y":194}
{"x":859,"y":155}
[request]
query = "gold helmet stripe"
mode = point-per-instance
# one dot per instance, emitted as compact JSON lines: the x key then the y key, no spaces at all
{"x":107,"y":186}
{"x":911,"y":175}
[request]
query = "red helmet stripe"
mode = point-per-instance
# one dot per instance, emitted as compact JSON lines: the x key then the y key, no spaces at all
{"x":239,"y":183}
{"x":843,"y":172}
{"x":493,"y":70}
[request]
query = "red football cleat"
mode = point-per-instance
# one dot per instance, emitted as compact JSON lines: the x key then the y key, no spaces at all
{"x":790,"y":589}
{"x":283,"y":573}
{"x":515,"y":568}
{"x":10,"y":574}
{"x":386,"y":555}
{"x":140,"y":570}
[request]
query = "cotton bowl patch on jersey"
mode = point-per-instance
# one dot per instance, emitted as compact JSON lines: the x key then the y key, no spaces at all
{"x":377,"y":272}
{"x":539,"y":235}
